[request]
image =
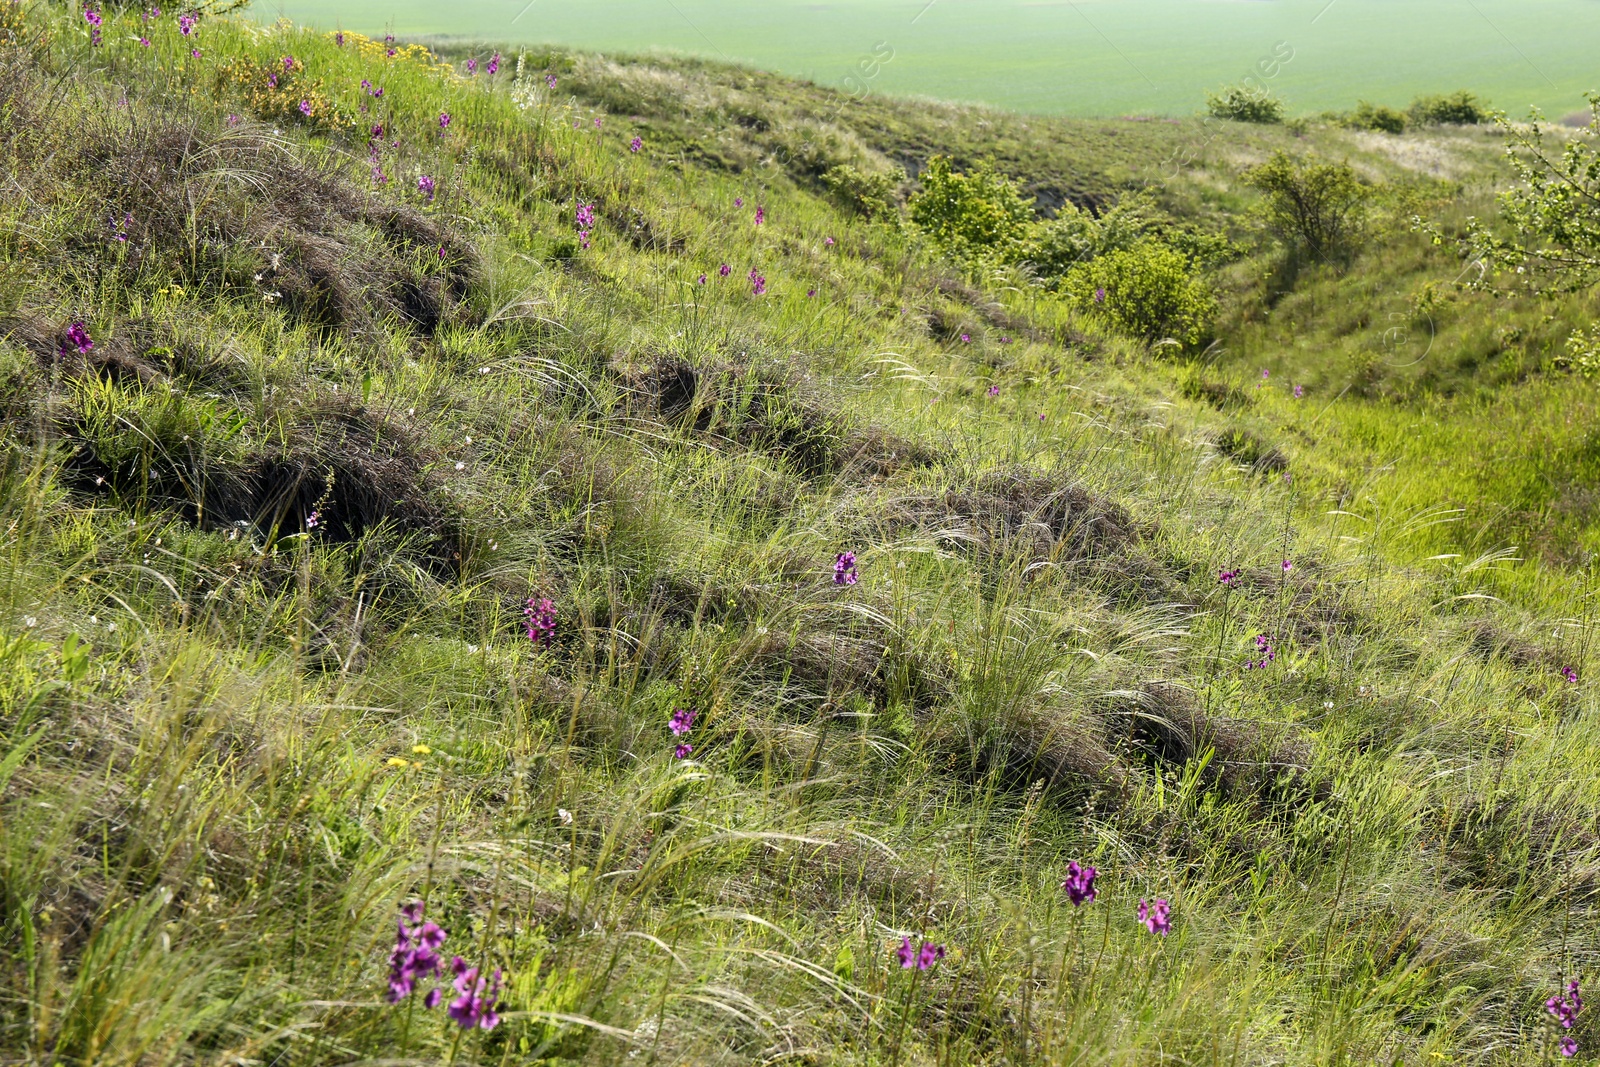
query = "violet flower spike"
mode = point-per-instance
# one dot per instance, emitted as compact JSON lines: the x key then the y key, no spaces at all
{"x":1155,"y":917}
{"x":472,"y":67}
{"x":77,"y":338}
{"x":908,"y":955}
{"x":844,"y":569}
{"x":994,"y":390}
{"x":724,"y":270}
{"x":1079,"y":884}
{"x":540,"y":619}
{"x":683,"y":751}
{"x":494,"y":64}
{"x":682,"y":720}
{"x":636,"y":144}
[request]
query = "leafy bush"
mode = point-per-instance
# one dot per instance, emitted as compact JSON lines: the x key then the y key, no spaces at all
{"x":1376,"y":117}
{"x":1459,"y":108}
{"x":1148,"y":291}
{"x":1553,"y":210}
{"x":1313,"y":207}
{"x":968,"y":215}
{"x":1240,"y":104}
{"x":1075,"y":237}
{"x":868,"y":193}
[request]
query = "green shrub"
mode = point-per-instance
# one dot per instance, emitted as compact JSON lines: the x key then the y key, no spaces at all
{"x":868,"y":193}
{"x":971,"y":215}
{"x":1316,"y":208}
{"x":1459,"y":108}
{"x":1148,"y":291}
{"x":1376,"y":117}
{"x":1240,"y":104}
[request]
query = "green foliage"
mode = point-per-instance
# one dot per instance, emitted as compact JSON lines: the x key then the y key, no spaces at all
{"x":871,"y":194}
{"x":980,"y":213}
{"x":1147,"y":290}
{"x":1240,"y":103}
{"x":1552,"y":211}
{"x":1369,"y":116}
{"x":1460,"y":108}
{"x":1314,"y":207}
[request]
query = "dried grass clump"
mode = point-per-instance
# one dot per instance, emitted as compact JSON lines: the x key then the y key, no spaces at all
{"x":1043,"y":515}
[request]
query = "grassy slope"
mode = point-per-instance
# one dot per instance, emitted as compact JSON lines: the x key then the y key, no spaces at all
{"x":1382,"y":847}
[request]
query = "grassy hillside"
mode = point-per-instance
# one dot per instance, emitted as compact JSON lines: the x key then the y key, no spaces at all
{"x":543,"y":501}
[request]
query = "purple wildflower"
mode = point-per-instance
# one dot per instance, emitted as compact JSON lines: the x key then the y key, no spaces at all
{"x":1265,"y":650}
{"x":761,"y":215}
{"x":472,"y":67}
{"x":1228,"y":577}
{"x":636,"y":144}
{"x":494,"y":64}
{"x":91,"y":16}
{"x":77,"y":338}
{"x":1265,"y":374}
{"x":1079,"y":884}
{"x":388,"y":38}
{"x":234,"y":120}
{"x":425,"y":186}
{"x":550,"y":81}
{"x":272,"y":81}
{"x":415,"y":954}
{"x":1005,"y":340}
{"x":966,"y":338}
{"x":305,"y":108}
{"x":597,"y":121}
{"x":1288,"y":565}
{"x":922,"y":958}
{"x":1570,"y":674}
{"x":145,"y":41}
{"x":444,"y":120}
{"x":313,"y":520}
{"x":194,"y":53}
{"x":540,"y":619}
{"x":702,"y":280}
{"x":583,"y":239}
{"x":1299,"y":391}
{"x":1569,"y":1047}
{"x":827,"y":242}
{"x":476,"y":1003}
{"x":186,"y":24}
{"x":338,"y":38}
{"x":994,"y":390}
{"x":288,"y":62}
{"x":682,"y":721}
{"x":811,"y":292}
{"x":738,"y":201}
{"x":1155,"y":917}
{"x":1100,"y":295}
{"x":683,"y":751}
{"x":758,"y":284}
{"x":844,"y":569}
{"x":377,"y":94}
{"x":724,"y":270}
{"x":585,"y":216}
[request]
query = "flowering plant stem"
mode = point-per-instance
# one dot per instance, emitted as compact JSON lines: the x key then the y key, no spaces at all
{"x":905,"y":1016}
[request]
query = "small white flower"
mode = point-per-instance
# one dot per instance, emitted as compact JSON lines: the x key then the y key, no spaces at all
{"x":565,"y":816}
{"x":461,"y":466}
{"x":111,"y":627}
{"x":30,"y":621}
{"x":469,"y":439}
{"x":1328,"y":704}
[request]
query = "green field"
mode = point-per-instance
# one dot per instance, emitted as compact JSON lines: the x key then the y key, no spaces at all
{"x":1105,"y":57}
